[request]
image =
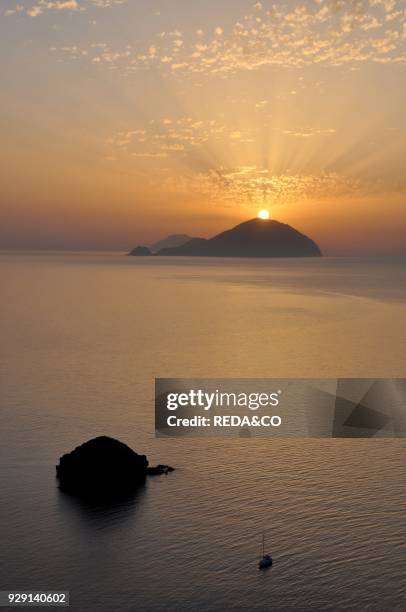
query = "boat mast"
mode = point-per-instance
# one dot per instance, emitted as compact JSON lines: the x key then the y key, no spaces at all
{"x":263,"y":543}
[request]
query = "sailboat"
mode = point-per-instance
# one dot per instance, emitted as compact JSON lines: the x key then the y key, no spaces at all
{"x":266,"y":560}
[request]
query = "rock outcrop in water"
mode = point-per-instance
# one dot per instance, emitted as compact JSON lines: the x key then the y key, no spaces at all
{"x":103,"y":468}
{"x":159,"y":469}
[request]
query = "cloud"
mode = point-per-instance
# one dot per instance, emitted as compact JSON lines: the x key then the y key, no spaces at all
{"x":309,"y":132}
{"x":56,"y":5}
{"x":289,"y":35}
{"x":107,"y":3}
{"x":261,"y":104}
{"x":188,"y":137}
{"x":19,"y":8}
{"x":243,"y":185}
{"x":149,"y":154}
{"x":178,"y":136}
{"x":39,"y":7}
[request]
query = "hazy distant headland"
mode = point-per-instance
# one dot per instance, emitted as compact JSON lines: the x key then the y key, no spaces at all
{"x":170,"y":242}
{"x":254,"y":238}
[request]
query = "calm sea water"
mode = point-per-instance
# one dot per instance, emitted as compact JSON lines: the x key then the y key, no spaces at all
{"x":82,"y":338}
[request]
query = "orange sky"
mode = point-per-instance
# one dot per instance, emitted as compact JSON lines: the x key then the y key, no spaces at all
{"x":123,"y":122}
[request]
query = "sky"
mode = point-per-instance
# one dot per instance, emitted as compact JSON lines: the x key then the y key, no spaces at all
{"x":123,"y":121}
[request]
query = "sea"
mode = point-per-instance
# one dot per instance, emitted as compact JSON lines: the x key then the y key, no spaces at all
{"x":83,"y":336}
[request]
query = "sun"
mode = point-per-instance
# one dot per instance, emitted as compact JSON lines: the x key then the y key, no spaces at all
{"x":263,"y":214}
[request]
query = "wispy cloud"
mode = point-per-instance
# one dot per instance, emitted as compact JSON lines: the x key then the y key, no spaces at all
{"x":185,"y":135}
{"x":243,"y":185}
{"x":178,"y":135}
{"x":39,"y":7}
{"x":309,"y":132}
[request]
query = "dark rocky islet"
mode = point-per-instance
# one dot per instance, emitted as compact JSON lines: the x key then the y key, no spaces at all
{"x":103,"y":468}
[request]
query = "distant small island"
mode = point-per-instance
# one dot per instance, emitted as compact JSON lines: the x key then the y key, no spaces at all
{"x":254,"y":238}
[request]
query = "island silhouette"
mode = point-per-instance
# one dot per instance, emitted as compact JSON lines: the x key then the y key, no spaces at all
{"x":104,"y":468}
{"x":254,"y":238}
{"x":170,"y":242}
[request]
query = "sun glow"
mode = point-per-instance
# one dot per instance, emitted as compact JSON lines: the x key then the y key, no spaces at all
{"x":263,"y":214}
